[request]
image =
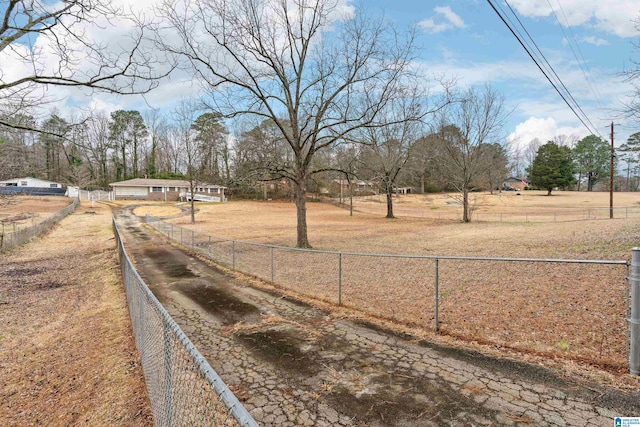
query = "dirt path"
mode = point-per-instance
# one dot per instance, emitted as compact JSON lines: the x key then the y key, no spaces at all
{"x":67,"y":356}
{"x":294,"y":365}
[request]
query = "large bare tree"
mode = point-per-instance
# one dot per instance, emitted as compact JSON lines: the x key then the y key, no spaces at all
{"x":317,"y":73}
{"x":477,"y":119}
{"x":44,"y":44}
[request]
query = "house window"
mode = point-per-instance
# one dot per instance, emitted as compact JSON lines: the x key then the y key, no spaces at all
{"x":156,"y":189}
{"x":12,"y":184}
{"x":53,"y":185}
{"x":171,"y":189}
{"x":24,"y":183}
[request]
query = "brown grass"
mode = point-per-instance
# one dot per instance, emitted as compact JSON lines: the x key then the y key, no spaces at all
{"x":29,"y":210}
{"x":165,"y":210}
{"x":556,"y":311}
{"x":66,"y":352}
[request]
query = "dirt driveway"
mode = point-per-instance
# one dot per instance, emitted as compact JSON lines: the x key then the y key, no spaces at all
{"x":292,"y":364}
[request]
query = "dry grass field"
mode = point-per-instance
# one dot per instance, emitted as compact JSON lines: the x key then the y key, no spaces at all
{"x":24,"y":211}
{"x":67,"y":354}
{"x":331,"y":228}
{"x":556,"y":311}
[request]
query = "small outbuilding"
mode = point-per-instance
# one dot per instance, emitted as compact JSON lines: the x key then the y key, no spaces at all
{"x":165,"y":190}
{"x":32,"y":186}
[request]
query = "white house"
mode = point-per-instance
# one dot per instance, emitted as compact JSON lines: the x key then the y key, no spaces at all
{"x":165,"y":189}
{"x":32,"y":186}
{"x":30,"y":182}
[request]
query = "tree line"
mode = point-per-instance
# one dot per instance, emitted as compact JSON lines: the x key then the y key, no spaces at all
{"x":321,"y":91}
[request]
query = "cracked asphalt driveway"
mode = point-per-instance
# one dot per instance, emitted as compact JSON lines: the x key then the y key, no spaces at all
{"x":295,"y":365}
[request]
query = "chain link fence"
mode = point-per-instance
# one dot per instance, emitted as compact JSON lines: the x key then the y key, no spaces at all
{"x":183,"y":388}
{"x":543,"y":306}
{"x":377,"y":205}
{"x":11,"y":238}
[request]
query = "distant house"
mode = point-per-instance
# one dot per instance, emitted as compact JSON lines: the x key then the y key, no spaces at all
{"x":360,"y":187}
{"x":32,"y":186}
{"x":165,"y":190}
{"x":515,"y":182}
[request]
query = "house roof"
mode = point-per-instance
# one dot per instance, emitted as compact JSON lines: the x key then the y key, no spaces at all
{"x":29,"y":178}
{"x":515,"y":178}
{"x":147,"y":182}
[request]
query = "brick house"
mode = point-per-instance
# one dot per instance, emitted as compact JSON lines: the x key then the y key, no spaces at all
{"x":164,"y":190}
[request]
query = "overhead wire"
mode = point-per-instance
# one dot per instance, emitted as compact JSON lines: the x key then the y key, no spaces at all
{"x":559,"y":80}
{"x":549,"y":74}
{"x":581,"y":61}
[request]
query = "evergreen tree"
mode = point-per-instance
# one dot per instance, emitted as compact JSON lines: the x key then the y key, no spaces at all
{"x":552,"y":167}
{"x":592,"y":155}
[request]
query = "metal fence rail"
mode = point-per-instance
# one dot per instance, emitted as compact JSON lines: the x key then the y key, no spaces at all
{"x":183,"y":388}
{"x":12,"y":239}
{"x":579,"y":306}
{"x":520,"y":214}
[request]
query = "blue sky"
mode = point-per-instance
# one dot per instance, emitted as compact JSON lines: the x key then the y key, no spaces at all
{"x":467,"y":39}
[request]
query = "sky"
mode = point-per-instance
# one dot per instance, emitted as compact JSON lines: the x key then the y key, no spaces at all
{"x":466,"y":40}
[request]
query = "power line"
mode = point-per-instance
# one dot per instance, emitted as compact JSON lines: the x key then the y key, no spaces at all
{"x":559,"y":80}
{"x":582,"y":63}
{"x":549,"y":76}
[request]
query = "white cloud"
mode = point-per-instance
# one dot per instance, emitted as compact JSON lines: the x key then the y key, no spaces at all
{"x":611,"y":16}
{"x":595,"y":41}
{"x":543,"y":129}
{"x":445,"y":19}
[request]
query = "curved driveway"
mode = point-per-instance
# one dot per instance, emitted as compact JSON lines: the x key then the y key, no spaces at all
{"x":294,"y":365}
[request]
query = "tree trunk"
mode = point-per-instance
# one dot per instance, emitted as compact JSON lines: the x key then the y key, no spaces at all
{"x":389,"y":192}
{"x":299,"y":189}
{"x":422,"y":179}
{"x":590,"y":181}
{"x":124,"y":162}
{"x":193,"y":209}
{"x":579,"y":180}
{"x":465,"y":205}
{"x":350,"y":200}
{"x":549,"y":191}
{"x":134,"y":167}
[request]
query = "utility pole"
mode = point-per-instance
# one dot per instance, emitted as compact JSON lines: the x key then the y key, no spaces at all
{"x":611,"y":177}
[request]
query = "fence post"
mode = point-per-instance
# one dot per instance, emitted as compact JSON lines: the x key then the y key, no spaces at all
{"x":436,"y":323}
{"x":634,"y":321}
{"x":193,"y":239}
{"x":272,"y":271}
{"x":339,"y":278}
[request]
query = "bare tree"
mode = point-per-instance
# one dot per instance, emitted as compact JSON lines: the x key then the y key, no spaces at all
{"x":476,"y":120}
{"x":50,"y":44}
{"x":157,"y":129}
{"x":389,"y":147}
{"x":260,"y":154}
{"x":632,"y":76}
{"x":184,"y":115}
{"x":275,"y":59}
{"x":494,"y":166}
